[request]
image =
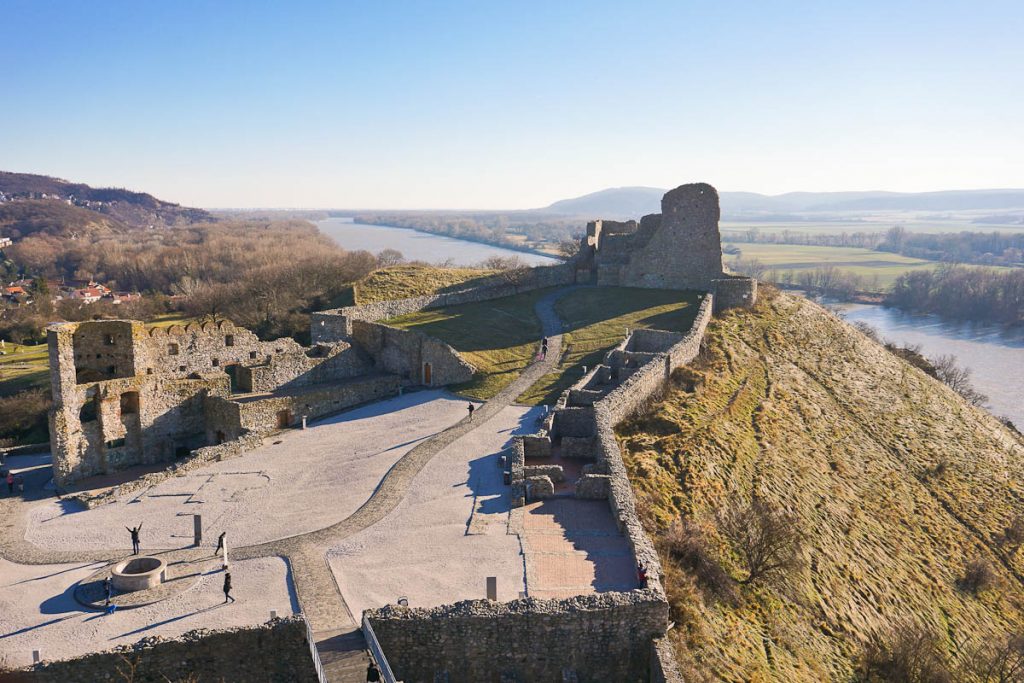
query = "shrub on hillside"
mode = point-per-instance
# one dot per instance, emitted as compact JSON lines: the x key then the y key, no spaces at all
{"x":685,"y":544}
{"x":906,"y":653}
{"x":767,"y":540}
{"x":23,"y":416}
{"x":978,"y":576}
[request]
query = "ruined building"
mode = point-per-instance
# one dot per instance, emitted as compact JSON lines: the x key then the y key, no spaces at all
{"x":679,"y":248}
{"x":125,"y":394}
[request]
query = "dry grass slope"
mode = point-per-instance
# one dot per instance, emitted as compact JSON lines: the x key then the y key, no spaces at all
{"x":898,"y":484}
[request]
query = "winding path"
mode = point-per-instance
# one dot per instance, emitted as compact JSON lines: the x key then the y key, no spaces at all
{"x":336,"y":630}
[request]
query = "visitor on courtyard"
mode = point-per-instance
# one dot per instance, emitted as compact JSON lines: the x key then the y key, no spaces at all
{"x":372,"y":673}
{"x":471,"y":409}
{"x":10,"y":475}
{"x":108,"y":589}
{"x":135,"y":538}
{"x":227,"y":588}
{"x":220,"y":542}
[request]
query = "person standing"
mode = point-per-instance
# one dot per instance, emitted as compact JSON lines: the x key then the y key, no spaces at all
{"x":544,"y":348}
{"x":108,"y":589}
{"x":372,"y":672}
{"x":10,"y":483}
{"x":227,"y":588}
{"x":471,"y":409}
{"x":135,"y":538}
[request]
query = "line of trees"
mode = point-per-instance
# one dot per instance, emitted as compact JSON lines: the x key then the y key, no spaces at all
{"x":962,"y":292}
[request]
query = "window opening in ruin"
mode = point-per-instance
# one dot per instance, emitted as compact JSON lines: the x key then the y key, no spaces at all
{"x":216,"y":362}
{"x":232,"y":371}
{"x":88,"y":412}
{"x":172,"y":349}
{"x":149,"y":371}
{"x":284,"y":418}
{"x":109,"y":340}
{"x":130,"y":403}
{"x":252,"y":355}
{"x":115,"y":443}
{"x":221,"y":438}
{"x":229,"y":340}
{"x":111,"y":369}
{"x":181,"y":368}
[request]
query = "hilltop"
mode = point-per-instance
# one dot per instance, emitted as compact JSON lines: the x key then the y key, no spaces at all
{"x":632,"y":202}
{"x":135,"y":209}
{"x":908,"y":500}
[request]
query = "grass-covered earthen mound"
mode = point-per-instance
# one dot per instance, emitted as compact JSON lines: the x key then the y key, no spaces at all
{"x":904,"y":503}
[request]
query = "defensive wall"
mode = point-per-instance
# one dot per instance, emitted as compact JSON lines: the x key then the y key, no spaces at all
{"x":275,"y":652}
{"x":336,"y":324}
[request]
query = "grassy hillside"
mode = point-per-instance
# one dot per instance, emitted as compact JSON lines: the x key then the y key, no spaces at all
{"x":399,"y":282}
{"x":895,"y":484}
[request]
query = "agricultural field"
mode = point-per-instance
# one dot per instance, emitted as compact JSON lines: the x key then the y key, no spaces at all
{"x":878,"y":268}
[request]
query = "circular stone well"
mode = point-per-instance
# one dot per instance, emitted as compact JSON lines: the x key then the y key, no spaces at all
{"x":138,"y":573}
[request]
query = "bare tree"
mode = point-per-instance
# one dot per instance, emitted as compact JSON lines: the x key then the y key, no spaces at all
{"x":957,"y":378}
{"x":998,"y":662}
{"x":906,"y":653}
{"x":390,"y":257}
{"x":768,"y":540}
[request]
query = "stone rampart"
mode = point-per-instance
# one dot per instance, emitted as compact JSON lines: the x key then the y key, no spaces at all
{"x":603,"y":637}
{"x":275,"y":652}
{"x":281,"y":410}
{"x":336,"y":325}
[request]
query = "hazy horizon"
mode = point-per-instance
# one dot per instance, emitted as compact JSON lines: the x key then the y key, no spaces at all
{"x":467,"y":107}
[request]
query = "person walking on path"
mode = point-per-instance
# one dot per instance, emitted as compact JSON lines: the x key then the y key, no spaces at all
{"x":220,"y":542}
{"x":108,"y":589}
{"x":544,"y":348}
{"x":227,"y":588}
{"x":135,"y":538}
{"x":10,"y":482}
{"x":372,"y":672}
{"x":471,"y":409}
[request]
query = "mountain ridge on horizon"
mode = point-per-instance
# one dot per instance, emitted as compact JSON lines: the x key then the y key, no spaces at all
{"x":635,"y":201}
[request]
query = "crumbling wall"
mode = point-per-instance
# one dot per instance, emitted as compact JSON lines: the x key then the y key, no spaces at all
{"x":275,"y":652}
{"x":317,"y":365}
{"x":263,"y":414}
{"x":413,"y":356}
{"x":734,"y":292}
{"x":603,"y":637}
{"x":203,"y":347}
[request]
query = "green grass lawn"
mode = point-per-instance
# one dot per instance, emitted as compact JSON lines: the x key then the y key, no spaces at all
{"x":23,"y":367}
{"x":498,"y":337}
{"x":596,"y":321}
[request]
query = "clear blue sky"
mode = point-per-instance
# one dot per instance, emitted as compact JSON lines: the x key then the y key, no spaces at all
{"x":509,"y":105}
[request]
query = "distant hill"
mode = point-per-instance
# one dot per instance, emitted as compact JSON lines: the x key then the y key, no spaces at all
{"x":633,"y":202}
{"x":906,"y":495}
{"x":135,"y":209}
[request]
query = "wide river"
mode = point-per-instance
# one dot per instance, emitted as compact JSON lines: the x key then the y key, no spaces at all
{"x":995,"y":354}
{"x":418,"y":246}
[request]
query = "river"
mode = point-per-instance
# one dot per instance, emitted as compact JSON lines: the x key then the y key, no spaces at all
{"x":994,"y":353}
{"x":419,"y":246}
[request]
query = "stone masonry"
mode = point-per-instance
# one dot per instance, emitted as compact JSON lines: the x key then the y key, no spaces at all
{"x":125,"y":394}
{"x":680,"y":248}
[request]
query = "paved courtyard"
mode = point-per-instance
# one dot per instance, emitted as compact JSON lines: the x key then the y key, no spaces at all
{"x":38,"y":612}
{"x":449,"y":533}
{"x":298,"y":482}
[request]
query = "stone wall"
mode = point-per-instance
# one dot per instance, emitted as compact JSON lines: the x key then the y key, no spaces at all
{"x":734,"y":292}
{"x":336,"y":325}
{"x":604,"y":637}
{"x":275,"y":652}
{"x":303,"y":367}
{"x":413,"y":356}
{"x":286,"y":409}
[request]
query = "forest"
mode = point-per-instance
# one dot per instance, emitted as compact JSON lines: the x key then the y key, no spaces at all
{"x":962,"y":292}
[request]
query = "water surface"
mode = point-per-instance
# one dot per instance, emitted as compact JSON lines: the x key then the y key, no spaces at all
{"x":994,"y":353}
{"x":419,"y":246}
